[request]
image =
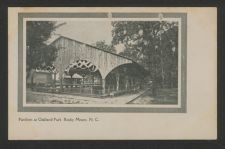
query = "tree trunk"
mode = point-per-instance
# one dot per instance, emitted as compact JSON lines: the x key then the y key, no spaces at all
{"x":32,"y":81}
{"x":154,"y":83}
{"x":162,"y":70}
{"x":154,"y":88}
{"x":30,"y":75}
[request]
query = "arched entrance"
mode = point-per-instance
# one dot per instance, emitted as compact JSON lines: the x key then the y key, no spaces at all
{"x":126,"y":78}
{"x":82,"y":77}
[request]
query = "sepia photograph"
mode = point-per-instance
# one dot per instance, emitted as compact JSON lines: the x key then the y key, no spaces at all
{"x":119,"y":61}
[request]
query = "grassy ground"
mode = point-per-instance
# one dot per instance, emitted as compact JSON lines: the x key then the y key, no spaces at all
{"x":164,"y":96}
{"x":48,"y":98}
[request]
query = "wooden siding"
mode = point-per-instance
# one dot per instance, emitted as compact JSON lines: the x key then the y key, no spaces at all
{"x":74,"y":50}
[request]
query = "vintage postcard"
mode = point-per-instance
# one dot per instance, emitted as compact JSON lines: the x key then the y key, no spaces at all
{"x":81,"y":73}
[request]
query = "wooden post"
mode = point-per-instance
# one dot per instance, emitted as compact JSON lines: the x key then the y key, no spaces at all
{"x":71,"y":86}
{"x":126,"y":83}
{"x":81,"y":85}
{"x":131,"y":84}
{"x":54,"y":82}
{"x":61,"y":84}
{"x":32,"y":81}
{"x":109,"y":88}
{"x":117,"y":81}
{"x":103,"y":86}
{"x":61,"y":68}
{"x":91,"y":89}
{"x":92,"y":84}
{"x":54,"y":75}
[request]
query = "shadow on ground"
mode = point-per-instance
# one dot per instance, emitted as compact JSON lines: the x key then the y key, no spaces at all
{"x":164,"y":96}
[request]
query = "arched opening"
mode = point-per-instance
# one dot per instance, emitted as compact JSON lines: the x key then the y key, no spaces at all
{"x":126,"y":78}
{"x":82,"y":77}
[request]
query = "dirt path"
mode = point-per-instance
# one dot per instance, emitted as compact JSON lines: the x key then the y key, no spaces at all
{"x":165,"y":96}
{"x":47,"y":98}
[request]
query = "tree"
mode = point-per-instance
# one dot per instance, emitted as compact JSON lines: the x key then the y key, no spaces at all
{"x":153,"y":44}
{"x":104,"y":46}
{"x":39,"y":54}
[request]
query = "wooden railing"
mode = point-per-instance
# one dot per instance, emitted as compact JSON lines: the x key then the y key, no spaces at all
{"x":94,"y":90}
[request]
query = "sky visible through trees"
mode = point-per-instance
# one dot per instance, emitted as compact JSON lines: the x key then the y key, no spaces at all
{"x":152,"y":44}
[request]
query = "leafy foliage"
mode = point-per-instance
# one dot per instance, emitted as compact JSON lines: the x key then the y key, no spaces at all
{"x":104,"y":46}
{"x":153,"y":44}
{"x":38,"y":53}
